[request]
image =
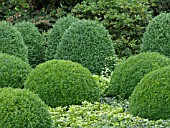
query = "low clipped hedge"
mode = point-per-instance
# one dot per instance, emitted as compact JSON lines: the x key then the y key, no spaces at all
{"x":56,"y":33}
{"x":89,"y":44}
{"x":151,"y":97}
{"x":20,"y":108}
{"x":13,"y":71}
{"x":125,"y":20}
{"x":34,"y":41}
{"x":129,"y":73}
{"x":62,"y":83}
{"x":11,"y":41}
{"x":156,"y":37}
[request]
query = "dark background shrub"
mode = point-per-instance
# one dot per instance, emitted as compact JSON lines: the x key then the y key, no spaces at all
{"x":159,"y":6}
{"x":21,"y":108}
{"x":43,"y":17}
{"x":89,"y":44}
{"x":129,"y":73}
{"x":13,"y":71}
{"x":35,"y":42}
{"x":157,"y":35}
{"x":62,"y":83}
{"x":56,"y":33}
{"x":11,"y":41}
{"x":151,"y":97}
{"x":126,"y":21}
{"x":42,"y":13}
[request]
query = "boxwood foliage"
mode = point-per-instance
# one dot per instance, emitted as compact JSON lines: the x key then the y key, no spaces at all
{"x":34,"y":41}
{"x":11,"y":41}
{"x":151,"y":97}
{"x":13,"y":71}
{"x":89,"y":44}
{"x":99,"y":115}
{"x":62,"y":83}
{"x":157,"y":37}
{"x":56,"y":33}
{"x":129,"y":73}
{"x":125,"y":20}
{"x":20,"y":108}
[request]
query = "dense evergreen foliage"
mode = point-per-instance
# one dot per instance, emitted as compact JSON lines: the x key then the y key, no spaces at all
{"x":157,"y":37}
{"x":151,"y":97}
{"x":20,"y":108}
{"x":13,"y":71}
{"x":129,"y":73}
{"x":11,"y":41}
{"x":89,"y":44}
{"x":63,"y":83}
{"x":56,"y":33}
{"x":35,"y":42}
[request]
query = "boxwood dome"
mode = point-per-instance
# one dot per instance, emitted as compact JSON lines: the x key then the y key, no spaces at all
{"x":151,"y":97}
{"x":13,"y":71}
{"x":62,"y":83}
{"x":11,"y":41}
{"x":20,"y":108}
{"x":88,"y":43}
{"x":129,"y":73}
{"x":157,"y":35}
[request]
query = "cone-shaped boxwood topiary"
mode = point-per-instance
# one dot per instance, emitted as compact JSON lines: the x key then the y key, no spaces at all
{"x":11,"y":41}
{"x":62,"y":83}
{"x":34,"y":41}
{"x":56,"y":33}
{"x":13,"y":71}
{"x":89,"y":44}
{"x":157,"y":35}
{"x":151,"y":97}
{"x":20,"y":108}
{"x":129,"y":73}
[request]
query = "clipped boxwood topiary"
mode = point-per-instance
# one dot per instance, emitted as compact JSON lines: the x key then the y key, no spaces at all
{"x":11,"y":41}
{"x":13,"y":71}
{"x":89,"y":44}
{"x":20,"y":108}
{"x":34,"y":41}
{"x":151,"y":97}
{"x":62,"y":83}
{"x":129,"y":73}
{"x":56,"y":33}
{"x":157,"y":37}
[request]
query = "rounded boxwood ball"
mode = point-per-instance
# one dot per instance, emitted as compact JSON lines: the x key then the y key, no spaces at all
{"x":157,"y":35}
{"x":35,"y":42}
{"x":151,"y":97}
{"x":89,"y":44}
{"x":20,"y":108}
{"x":62,"y":83}
{"x":13,"y":71}
{"x":11,"y":41}
{"x":129,"y":73}
{"x":54,"y":36}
